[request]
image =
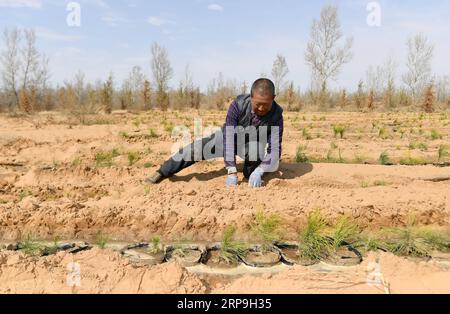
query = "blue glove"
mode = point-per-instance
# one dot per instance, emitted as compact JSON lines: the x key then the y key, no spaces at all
{"x":232,"y":181}
{"x":255,"y":180}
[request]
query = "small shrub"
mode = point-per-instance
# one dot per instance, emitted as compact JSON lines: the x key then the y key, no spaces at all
{"x":344,"y":231}
{"x":443,"y":152}
{"x":339,"y":130}
{"x":105,"y":159}
{"x":101,"y":240}
{"x":306,"y":134}
{"x":133,"y":157}
{"x":385,"y":159}
{"x":267,"y":227}
{"x":313,"y":243}
{"x":231,"y":249}
{"x":30,"y":245}
{"x":435,"y":135}
{"x":300,"y":155}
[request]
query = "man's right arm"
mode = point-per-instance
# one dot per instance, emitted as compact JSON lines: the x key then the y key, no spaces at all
{"x":228,"y":137}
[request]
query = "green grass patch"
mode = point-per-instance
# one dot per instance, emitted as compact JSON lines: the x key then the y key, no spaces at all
{"x":385,"y":159}
{"x":133,"y":158}
{"x":101,"y":240}
{"x":339,"y":130}
{"x":30,"y":245}
{"x":435,"y":135}
{"x":300,"y":155}
{"x":105,"y":159}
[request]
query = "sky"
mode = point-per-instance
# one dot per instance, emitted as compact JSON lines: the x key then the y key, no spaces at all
{"x":239,"y":38}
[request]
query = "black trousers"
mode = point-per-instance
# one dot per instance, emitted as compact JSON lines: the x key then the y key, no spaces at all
{"x":213,"y":144}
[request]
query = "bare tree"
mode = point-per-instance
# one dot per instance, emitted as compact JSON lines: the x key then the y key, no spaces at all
{"x":188,"y":80}
{"x":79,"y":89}
{"x":381,"y":79}
{"x":132,"y":86}
{"x":136,"y":79}
{"x":279,"y":72}
{"x":244,"y":87}
{"x":11,"y":63}
{"x":187,"y":88}
{"x":420,"y":54}
{"x":429,"y":99}
{"x":323,"y":53}
{"x":146,"y":95}
{"x":30,"y":57}
{"x":41,"y":75}
{"x":162,"y":73}
{"x":442,"y":88}
{"x":107,"y":94}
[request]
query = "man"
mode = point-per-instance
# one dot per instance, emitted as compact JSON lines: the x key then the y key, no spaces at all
{"x":253,"y":130}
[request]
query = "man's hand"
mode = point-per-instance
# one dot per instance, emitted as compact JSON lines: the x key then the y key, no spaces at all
{"x":255,"y":180}
{"x":232,"y":180}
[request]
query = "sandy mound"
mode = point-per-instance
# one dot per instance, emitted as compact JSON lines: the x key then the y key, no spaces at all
{"x":100,"y":272}
{"x":103,"y":271}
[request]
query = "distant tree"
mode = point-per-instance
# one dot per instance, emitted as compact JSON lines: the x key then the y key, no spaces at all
{"x":162,"y":73}
{"x":127,"y":100}
{"x":420,"y":55}
{"x":11,"y":64}
{"x":244,"y":87}
{"x":323,"y":53}
{"x":30,"y":57}
{"x":428,"y":104}
{"x":107,"y":94}
{"x":442,"y":88}
{"x":343,"y":99}
{"x":147,"y":95}
{"x":360,"y":97}
{"x":279,"y":72}
{"x":381,"y":78}
{"x":371,"y":100}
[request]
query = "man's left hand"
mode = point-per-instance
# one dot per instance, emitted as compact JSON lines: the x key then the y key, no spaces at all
{"x":255,"y":180}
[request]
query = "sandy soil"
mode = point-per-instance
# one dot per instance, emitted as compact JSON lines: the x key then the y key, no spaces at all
{"x":50,"y":186}
{"x":104,"y":271}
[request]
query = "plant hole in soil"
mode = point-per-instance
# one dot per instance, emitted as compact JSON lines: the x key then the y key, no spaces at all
{"x":216,"y":259}
{"x":291,"y":256}
{"x":185,"y":255}
{"x":145,"y":256}
{"x":258,"y":257}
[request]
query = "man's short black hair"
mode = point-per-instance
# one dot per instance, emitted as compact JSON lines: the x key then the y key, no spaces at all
{"x":263,"y":87}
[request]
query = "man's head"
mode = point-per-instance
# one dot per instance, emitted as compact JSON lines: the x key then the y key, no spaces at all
{"x":263,"y":95}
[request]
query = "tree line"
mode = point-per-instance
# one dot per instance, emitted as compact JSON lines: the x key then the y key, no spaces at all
{"x":26,"y":80}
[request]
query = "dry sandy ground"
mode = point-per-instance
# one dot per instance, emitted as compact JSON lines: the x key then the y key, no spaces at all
{"x":103,"y":271}
{"x":50,"y":186}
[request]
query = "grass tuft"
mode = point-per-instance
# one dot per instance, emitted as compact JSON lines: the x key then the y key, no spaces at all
{"x":313,"y":243}
{"x":231,"y":249}
{"x":267,"y":228}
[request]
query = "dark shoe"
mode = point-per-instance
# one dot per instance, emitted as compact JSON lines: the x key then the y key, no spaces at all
{"x":155,"y":178}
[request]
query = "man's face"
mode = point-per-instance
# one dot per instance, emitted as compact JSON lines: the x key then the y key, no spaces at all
{"x":262,"y":104}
